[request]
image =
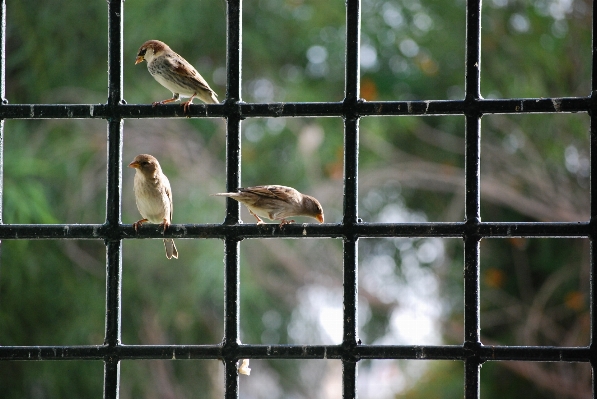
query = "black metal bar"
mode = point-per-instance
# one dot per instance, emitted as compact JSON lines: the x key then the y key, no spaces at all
{"x":231,"y":287}
{"x":351,"y":194}
{"x":233,"y":174}
{"x":351,"y":161}
{"x":111,"y":377}
{"x":328,"y":109}
{"x":473,"y":50}
{"x":310,"y":230}
{"x":113,"y":292}
{"x":192,"y":352}
{"x":350,"y":261}
{"x":233,"y":167}
{"x":115,"y":73}
{"x":2,"y":100}
{"x":234,"y":50}
{"x":593,"y":199}
{"x":353,"y":41}
{"x":115,"y":127}
{"x":472,"y":364}
{"x":350,"y":333}
{"x":114,"y":197}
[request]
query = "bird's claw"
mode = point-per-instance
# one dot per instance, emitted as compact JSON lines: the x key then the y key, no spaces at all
{"x":185,"y":107}
{"x":186,"y":104}
{"x":138,"y":223}
{"x":165,"y":225}
{"x":153,"y":104}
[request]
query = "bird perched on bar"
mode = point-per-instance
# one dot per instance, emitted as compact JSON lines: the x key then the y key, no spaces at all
{"x":276,"y":203}
{"x":153,"y":196}
{"x":175,"y":74}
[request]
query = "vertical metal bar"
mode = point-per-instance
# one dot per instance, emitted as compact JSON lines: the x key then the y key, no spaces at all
{"x":349,"y":379}
{"x":351,"y":119}
{"x":233,"y":91}
{"x":115,"y":29}
{"x":353,"y":41}
{"x":473,"y":50}
{"x":351,"y":160}
{"x":113,"y":292}
{"x":231,"y":315}
{"x":472,"y":365}
{"x":2,"y":59}
{"x":593,"y":273}
{"x":233,"y":166}
{"x":115,"y":124}
{"x":593,"y":199}
{"x":349,"y":341}
{"x":234,"y":49}
{"x":111,"y":378}
{"x":3,"y":99}
{"x":473,"y":124}
{"x":114,"y":197}
{"x":233,"y":173}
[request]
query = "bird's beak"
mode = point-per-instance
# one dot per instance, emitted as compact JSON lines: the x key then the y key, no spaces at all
{"x":134,"y":164}
{"x":319,"y":217}
{"x":139,"y":59}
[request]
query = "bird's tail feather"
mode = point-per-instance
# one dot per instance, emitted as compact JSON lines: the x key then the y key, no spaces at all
{"x":224,"y":195}
{"x":171,"y":251}
{"x":214,"y":98}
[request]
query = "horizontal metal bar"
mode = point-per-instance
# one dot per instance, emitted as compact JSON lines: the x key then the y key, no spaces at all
{"x":485,"y":353}
{"x":186,"y":352}
{"x":536,"y":353}
{"x":320,"y":109}
{"x":307,"y":230}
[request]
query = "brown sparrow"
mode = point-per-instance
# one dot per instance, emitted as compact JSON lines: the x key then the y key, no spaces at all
{"x":175,"y":74}
{"x":277,"y":203}
{"x":153,"y":196}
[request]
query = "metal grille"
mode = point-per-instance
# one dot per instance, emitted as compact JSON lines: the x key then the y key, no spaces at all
{"x":473,"y":107}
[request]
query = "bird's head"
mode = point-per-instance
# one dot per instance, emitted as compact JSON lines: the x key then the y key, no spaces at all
{"x":146,"y":164}
{"x":313,"y":208}
{"x":149,"y":50}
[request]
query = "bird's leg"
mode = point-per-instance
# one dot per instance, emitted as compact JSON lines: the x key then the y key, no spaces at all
{"x":139,"y":223}
{"x":259,"y":221}
{"x":285,"y":222}
{"x":186,"y":104}
{"x":165,"y":225}
{"x":175,"y":97}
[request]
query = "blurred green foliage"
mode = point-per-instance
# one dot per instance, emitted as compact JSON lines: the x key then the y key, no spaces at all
{"x":534,"y":168}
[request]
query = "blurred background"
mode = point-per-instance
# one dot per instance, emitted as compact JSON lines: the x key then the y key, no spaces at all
{"x":534,"y":168}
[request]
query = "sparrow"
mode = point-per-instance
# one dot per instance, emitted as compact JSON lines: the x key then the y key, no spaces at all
{"x":175,"y":74}
{"x":277,"y":203}
{"x":153,"y":196}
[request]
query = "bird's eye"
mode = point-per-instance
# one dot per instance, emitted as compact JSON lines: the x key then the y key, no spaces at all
{"x":142,"y":52}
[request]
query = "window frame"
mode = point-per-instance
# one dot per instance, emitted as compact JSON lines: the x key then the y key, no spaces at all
{"x":472,"y":352}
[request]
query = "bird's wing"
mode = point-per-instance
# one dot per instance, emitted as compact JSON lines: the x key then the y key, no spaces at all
{"x":168,"y":191}
{"x":282,"y":193}
{"x":183,"y":68}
